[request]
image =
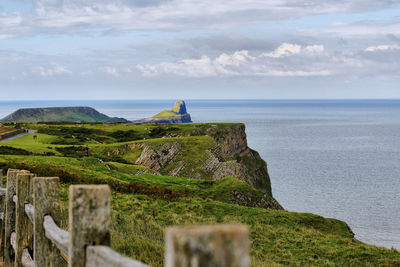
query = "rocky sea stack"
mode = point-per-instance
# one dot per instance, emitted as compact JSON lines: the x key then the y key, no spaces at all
{"x":178,"y":114}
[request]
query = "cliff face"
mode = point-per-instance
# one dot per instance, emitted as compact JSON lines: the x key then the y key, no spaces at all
{"x":218,"y":152}
{"x":57,"y":114}
{"x":180,"y":107}
{"x":240,"y":161}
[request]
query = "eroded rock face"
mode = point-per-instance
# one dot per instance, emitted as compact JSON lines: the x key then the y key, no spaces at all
{"x":264,"y":201}
{"x":220,"y":152}
{"x":250,"y":168}
{"x":231,"y":141}
{"x":229,"y":157}
{"x":179,"y":107}
{"x":157,"y":158}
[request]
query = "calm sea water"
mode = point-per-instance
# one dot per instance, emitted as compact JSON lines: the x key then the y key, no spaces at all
{"x":338,"y":159}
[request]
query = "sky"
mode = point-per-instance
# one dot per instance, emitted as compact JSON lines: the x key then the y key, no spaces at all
{"x":191,"y":49}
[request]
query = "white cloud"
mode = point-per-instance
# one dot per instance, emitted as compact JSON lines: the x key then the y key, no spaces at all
{"x":6,"y":36}
{"x":240,"y":63}
{"x":53,"y":71}
{"x":122,"y":15}
{"x":236,"y":59}
{"x":284,"y":50}
{"x":314,"y":49}
{"x":298,"y":73}
{"x":287,"y":49}
{"x":287,"y":60}
{"x":10,"y":20}
{"x":115,"y":71}
{"x":382,"y":48}
{"x":202,"y":67}
{"x":110,"y":70}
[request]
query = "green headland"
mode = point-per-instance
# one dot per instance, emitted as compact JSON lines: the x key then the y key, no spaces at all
{"x":174,"y":174}
{"x":57,"y":114}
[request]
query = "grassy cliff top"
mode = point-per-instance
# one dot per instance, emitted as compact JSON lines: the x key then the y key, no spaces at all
{"x":166,"y":113}
{"x":145,"y":202}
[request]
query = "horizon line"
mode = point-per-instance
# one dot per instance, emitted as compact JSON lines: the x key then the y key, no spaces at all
{"x":199,"y":99}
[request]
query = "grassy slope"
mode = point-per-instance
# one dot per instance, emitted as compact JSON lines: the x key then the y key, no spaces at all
{"x":139,"y":220}
{"x":278,"y":237}
{"x":41,"y":145}
{"x":166,"y":113}
{"x":76,"y":114}
{"x":121,"y":179}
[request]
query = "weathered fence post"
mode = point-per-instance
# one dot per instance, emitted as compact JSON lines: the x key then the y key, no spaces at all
{"x":2,"y":217}
{"x":1,"y":200}
{"x":208,"y":245}
{"x":9,"y":217}
{"x":89,"y":220}
{"x":46,"y":199}
{"x":23,"y":226}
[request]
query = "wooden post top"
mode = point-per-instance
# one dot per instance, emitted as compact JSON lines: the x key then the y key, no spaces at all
{"x":207,"y":245}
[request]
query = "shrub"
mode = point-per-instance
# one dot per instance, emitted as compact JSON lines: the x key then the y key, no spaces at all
{"x":8,"y":150}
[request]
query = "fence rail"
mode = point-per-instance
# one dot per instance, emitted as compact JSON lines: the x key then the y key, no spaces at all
{"x":31,"y":236}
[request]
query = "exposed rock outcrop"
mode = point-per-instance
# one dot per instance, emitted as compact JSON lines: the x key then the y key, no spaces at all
{"x":180,"y":107}
{"x":231,"y":141}
{"x":264,"y":201}
{"x":229,"y":156}
{"x":157,"y":158}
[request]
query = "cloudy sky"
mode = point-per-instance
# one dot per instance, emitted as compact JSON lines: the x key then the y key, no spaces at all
{"x":169,"y":49}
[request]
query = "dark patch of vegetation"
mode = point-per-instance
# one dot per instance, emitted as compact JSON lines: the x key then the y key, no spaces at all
{"x":113,"y":158}
{"x":8,"y":124}
{"x":8,"y":150}
{"x":159,"y":131}
{"x":65,"y":122}
{"x":69,"y":131}
{"x":125,"y":136}
{"x":74,"y":135}
{"x":71,"y":151}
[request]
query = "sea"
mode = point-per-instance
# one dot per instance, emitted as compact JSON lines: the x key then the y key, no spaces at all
{"x":335,"y":158}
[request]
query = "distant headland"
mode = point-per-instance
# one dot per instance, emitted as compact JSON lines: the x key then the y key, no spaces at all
{"x":59,"y":114}
{"x":178,"y":114}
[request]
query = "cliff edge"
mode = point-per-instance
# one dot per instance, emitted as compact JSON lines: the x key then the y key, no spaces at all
{"x":198,"y":151}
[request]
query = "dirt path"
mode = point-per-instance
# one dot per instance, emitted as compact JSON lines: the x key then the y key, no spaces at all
{"x":16,"y":136}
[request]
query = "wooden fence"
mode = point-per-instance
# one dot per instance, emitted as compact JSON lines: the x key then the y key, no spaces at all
{"x":30,"y":235}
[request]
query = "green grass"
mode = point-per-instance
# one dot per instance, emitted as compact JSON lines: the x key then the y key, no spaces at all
{"x":145,"y":129}
{"x":144,"y":204}
{"x":277,"y":237}
{"x":122,"y":178}
{"x":166,"y":113}
{"x":41,"y":145}
{"x":73,"y":114}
